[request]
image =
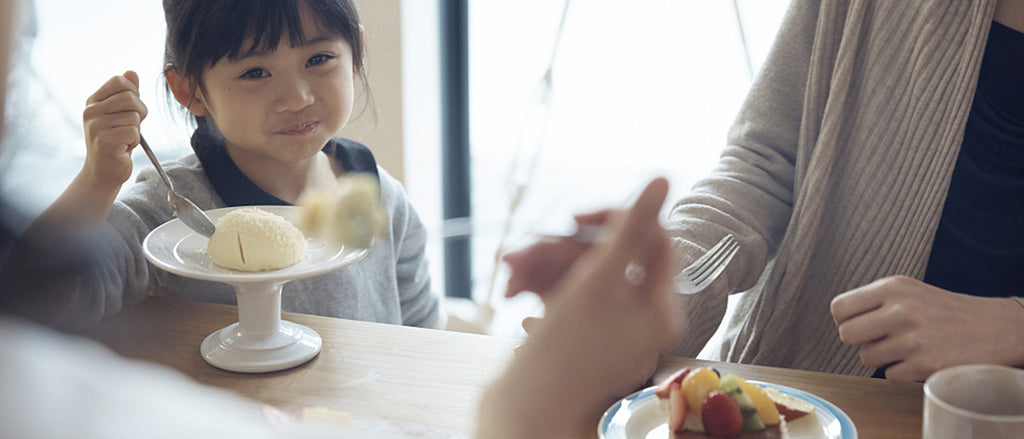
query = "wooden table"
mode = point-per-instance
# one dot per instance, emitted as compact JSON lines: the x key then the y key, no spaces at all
{"x":430,"y":377}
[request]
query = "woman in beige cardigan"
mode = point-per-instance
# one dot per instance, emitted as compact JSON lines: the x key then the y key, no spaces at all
{"x":835,"y":179}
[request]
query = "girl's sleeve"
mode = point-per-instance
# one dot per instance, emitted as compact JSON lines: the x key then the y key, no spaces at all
{"x":750,"y":192}
{"x":420,"y":305}
{"x":116,"y":277}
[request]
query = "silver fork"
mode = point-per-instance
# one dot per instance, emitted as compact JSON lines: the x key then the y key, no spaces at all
{"x":691,"y":280}
{"x":184,"y":208}
{"x":698,"y":275}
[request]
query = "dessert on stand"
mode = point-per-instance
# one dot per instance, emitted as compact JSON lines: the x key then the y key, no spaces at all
{"x":260,"y":341}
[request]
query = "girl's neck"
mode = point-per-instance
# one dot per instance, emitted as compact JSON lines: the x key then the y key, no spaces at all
{"x":287,"y":180}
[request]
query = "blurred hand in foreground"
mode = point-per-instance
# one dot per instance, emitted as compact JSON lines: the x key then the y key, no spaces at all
{"x":540,"y":266}
{"x":608,"y":317}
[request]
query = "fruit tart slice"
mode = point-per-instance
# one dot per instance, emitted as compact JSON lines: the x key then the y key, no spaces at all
{"x":700,"y":403}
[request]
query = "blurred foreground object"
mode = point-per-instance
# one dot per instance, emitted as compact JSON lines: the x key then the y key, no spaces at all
{"x":350,"y":215}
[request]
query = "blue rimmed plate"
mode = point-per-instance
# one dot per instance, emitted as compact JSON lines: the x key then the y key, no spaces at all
{"x":638,"y":416}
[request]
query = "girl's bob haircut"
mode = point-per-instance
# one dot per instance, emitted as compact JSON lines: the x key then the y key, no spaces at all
{"x":202,"y":32}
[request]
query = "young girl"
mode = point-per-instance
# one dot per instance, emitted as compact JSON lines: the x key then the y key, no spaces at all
{"x":269,"y":84}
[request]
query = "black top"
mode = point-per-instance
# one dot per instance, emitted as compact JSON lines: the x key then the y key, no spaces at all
{"x":237,"y":190}
{"x":979,"y":246}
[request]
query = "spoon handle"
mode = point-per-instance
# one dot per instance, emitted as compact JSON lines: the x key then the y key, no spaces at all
{"x":156,"y":163}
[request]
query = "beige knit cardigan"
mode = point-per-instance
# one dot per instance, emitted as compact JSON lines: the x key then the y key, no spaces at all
{"x":835,"y":172}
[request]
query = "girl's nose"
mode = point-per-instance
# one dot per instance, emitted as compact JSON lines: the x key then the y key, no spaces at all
{"x":294,"y":96}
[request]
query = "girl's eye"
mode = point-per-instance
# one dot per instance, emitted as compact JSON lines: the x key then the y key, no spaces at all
{"x":255,"y":73}
{"x":318,"y":59}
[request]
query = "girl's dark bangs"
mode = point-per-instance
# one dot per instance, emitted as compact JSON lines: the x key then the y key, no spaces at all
{"x":263,"y":27}
{"x":237,"y":29}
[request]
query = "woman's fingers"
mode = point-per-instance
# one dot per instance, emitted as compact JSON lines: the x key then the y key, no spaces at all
{"x":540,"y":266}
{"x":592,"y":218}
{"x":858,"y":301}
{"x":636,"y":237}
{"x":630,"y":224}
{"x":529,"y":323}
{"x":640,"y":240}
{"x":873,"y":325}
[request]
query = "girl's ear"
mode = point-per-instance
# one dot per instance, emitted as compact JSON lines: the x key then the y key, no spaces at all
{"x":185,"y":92}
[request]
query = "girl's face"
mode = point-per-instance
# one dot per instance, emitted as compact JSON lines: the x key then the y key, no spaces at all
{"x":283,"y":105}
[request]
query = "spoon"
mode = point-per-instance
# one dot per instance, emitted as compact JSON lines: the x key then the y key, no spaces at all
{"x":185,"y":209}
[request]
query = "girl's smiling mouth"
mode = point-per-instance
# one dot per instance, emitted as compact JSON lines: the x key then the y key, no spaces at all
{"x":299,"y":129}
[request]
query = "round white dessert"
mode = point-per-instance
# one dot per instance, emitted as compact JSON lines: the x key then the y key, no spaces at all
{"x":251,"y":239}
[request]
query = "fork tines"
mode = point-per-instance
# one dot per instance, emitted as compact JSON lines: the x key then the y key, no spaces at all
{"x":709,"y":266}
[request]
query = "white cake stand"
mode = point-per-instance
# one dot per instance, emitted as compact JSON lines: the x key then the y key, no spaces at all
{"x":260,"y":341}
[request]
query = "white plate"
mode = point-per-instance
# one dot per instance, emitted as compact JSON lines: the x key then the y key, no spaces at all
{"x":638,"y":416}
{"x":176,"y":248}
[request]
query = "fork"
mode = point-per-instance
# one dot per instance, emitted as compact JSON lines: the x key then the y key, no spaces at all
{"x":698,"y":275}
{"x":183,"y":208}
{"x":691,"y":280}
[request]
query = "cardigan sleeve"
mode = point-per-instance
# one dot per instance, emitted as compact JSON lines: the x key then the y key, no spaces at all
{"x":750,"y":192}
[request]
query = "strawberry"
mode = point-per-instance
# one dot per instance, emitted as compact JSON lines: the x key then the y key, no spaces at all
{"x":677,"y":377}
{"x":721,"y":416}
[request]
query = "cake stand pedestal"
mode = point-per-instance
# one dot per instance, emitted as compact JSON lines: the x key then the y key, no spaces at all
{"x":260,"y":341}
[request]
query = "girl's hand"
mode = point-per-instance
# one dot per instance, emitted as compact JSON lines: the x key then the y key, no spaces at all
{"x":112,"y":121}
{"x":917,"y":329}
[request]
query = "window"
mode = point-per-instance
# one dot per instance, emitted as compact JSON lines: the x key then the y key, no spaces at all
{"x":638,"y":89}
{"x":68,"y":49}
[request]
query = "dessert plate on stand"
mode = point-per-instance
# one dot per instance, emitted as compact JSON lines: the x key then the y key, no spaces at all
{"x":260,"y":341}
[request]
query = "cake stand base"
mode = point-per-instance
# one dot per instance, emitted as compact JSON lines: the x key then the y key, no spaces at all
{"x":290,"y":345}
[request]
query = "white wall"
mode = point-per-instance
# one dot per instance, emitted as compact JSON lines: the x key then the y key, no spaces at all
{"x":382,"y":132}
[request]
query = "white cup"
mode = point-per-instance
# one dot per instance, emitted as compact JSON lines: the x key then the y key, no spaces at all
{"x":974,"y":401}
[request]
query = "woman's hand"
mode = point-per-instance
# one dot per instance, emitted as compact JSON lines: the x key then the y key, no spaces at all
{"x":112,"y":120}
{"x":608,"y":317}
{"x":917,"y":329}
{"x":540,"y":266}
